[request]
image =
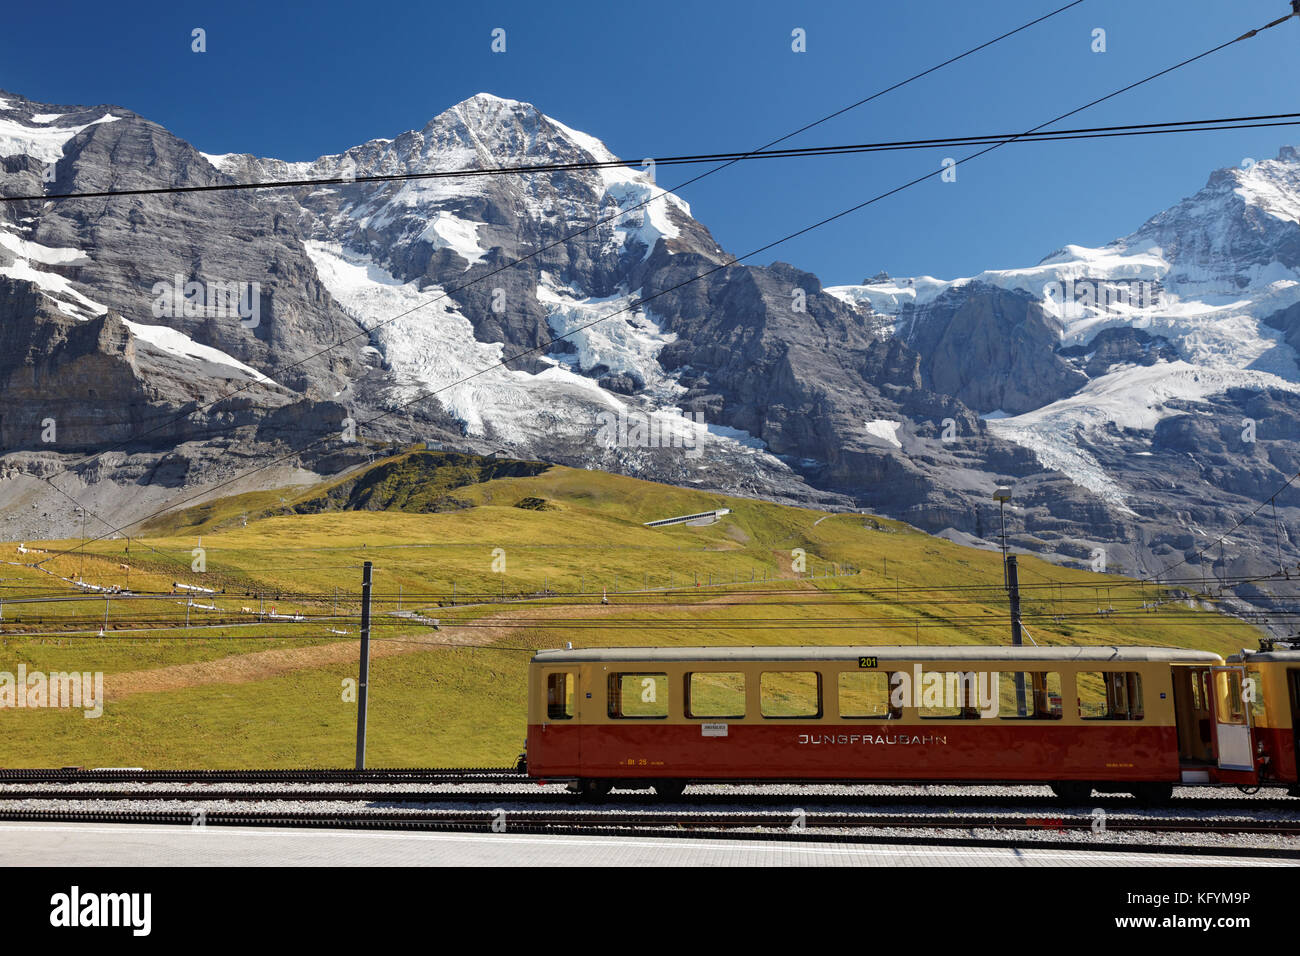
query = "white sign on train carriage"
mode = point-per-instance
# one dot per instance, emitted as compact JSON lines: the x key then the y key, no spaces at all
{"x":713,"y":730}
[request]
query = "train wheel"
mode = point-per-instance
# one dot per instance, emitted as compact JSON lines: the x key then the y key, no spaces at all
{"x":1153,"y":794}
{"x":1072,"y":791}
{"x":595,"y":790}
{"x":669,"y":789}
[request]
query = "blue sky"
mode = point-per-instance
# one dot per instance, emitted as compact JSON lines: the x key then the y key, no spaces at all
{"x":296,"y":80}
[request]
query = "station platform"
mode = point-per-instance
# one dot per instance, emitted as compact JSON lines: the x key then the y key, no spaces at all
{"x":78,"y":845}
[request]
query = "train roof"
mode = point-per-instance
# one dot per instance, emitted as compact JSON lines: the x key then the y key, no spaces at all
{"x":1100,"y":653}
{"x":1281,"y":657}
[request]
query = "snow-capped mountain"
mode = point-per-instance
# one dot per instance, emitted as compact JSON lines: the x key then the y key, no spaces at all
{"x":419,"y":250}
{"x":1190,"y":322}
{"x":206,"y":331}
{"x":397,"y":308}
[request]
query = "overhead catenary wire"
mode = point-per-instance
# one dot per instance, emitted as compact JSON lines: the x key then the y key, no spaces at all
{"x":684,"y":616}
{"x":778,"y":587}
{"x":458,"y":614}
{"x":778,"y":590}
{"x":802,"y":152}
{"x":1167,"y":614}
{"x":498,"y":615}
{"x":906,"y":624}
{"x":54,"y":610}
{"x":652,"y":595}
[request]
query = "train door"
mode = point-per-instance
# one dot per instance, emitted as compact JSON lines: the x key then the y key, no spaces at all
{"x":1193,"y":715}
{"x":1293,"y":682}
{"x":561,"y":734}
{"x":1231,"y":720}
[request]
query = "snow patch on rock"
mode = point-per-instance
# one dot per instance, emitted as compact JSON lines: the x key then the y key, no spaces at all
{"x":609,"y":332}
{"x":433,"y":349}
{"x":44,"y":143}
{"x":647,"y":220}
{"x":1132,"y":397}
{"x":446,"y":231}
{"x":216,"y":362}
{"x":885,"y":430}
{"x":58,"y":289}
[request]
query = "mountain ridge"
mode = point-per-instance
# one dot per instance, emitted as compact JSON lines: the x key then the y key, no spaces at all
{"x":383,"y":303}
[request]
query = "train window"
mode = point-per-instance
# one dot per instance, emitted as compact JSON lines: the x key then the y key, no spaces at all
{"x":955,"y":696}
{"x":864,"y":694}
{"x":1042,"y":695}
{"x":790,"y":694}
{"x":1229,"y":695}
{"x":1255,"y":683}
{"x":559,"y":696}
{"x":1109,"y":695}
{"x":715,"y":694}
{"x":638,"y":696}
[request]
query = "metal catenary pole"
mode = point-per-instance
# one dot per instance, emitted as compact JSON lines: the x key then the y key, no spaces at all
{"x":1013,"y":591}
{"x":362,"y":684}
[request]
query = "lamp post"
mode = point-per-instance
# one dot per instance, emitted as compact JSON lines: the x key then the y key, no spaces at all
{"x":1002,"y":494}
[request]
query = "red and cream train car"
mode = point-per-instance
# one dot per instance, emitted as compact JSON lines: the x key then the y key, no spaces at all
{"x":1126,"y":719}
{"x":1273,"y":710}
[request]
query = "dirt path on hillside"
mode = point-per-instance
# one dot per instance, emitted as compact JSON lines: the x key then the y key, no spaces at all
{"x":263,"y":665}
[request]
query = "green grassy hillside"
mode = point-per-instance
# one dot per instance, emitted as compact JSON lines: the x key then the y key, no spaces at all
{"x":527,"y":551}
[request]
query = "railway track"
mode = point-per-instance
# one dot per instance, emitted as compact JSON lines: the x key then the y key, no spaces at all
{"x":552,"y":797}
{"x":431,"y":776}
{"x":835,"y":827}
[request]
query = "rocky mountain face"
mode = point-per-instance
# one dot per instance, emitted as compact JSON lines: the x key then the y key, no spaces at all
{"x":1158,"y":374}
{"x":559,"y":316}
{"x":992,"y":348}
